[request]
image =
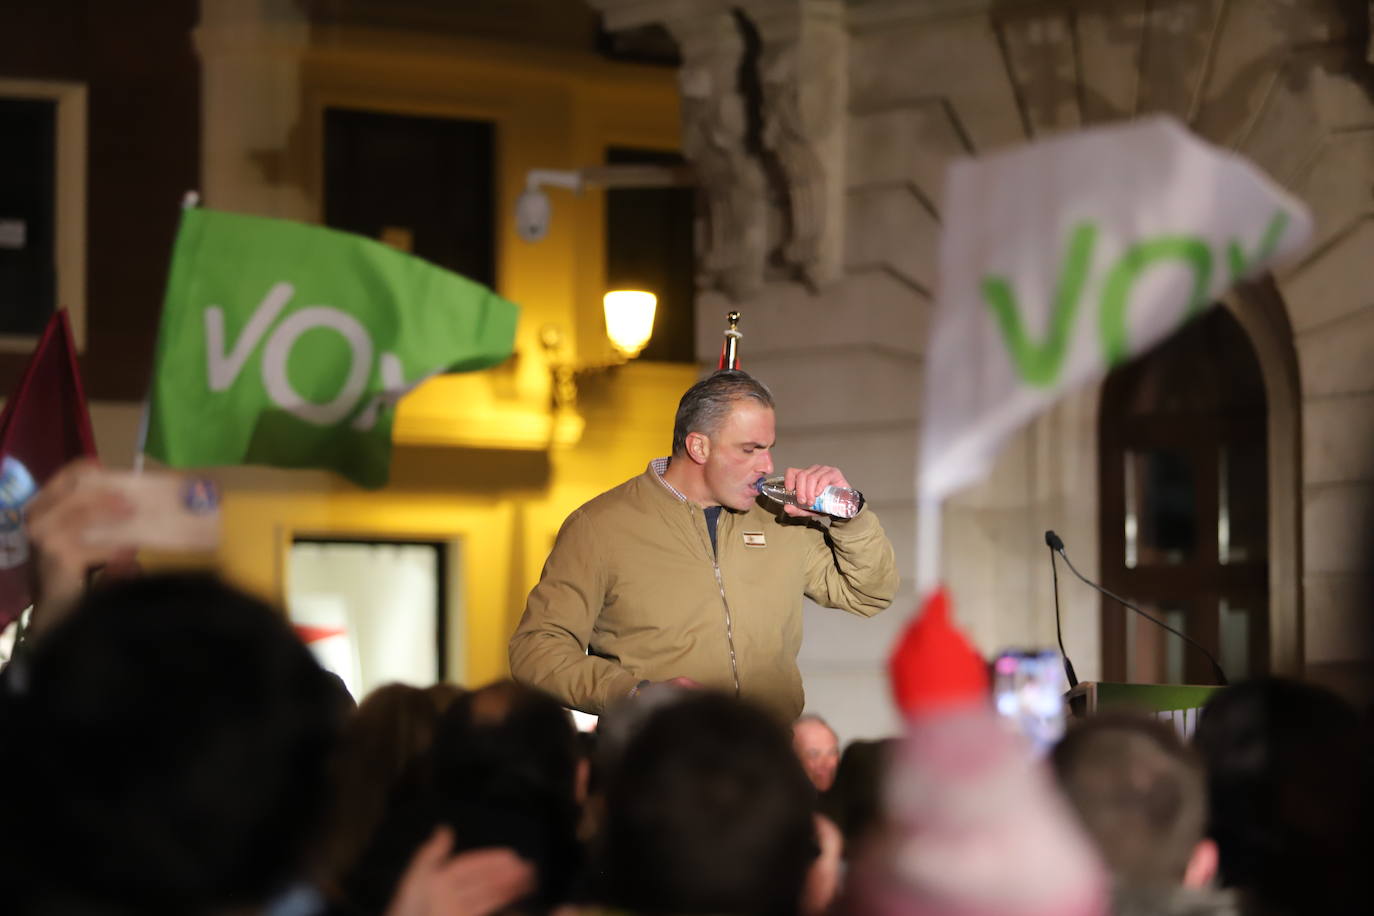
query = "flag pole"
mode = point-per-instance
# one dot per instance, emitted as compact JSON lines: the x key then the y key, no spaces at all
{"x":188,"y":200}
{"x":142,"y":432}
{"x":928,"y":531}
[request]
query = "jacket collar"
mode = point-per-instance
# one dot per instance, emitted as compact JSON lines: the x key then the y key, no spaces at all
{"x":656,"y":468}
{"x":655,"y":471}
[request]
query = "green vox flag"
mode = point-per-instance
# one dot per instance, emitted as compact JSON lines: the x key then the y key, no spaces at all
{"x":288,"y":345}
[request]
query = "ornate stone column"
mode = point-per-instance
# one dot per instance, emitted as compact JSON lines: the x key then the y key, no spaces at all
{"x":764,"y":87}
{"x":803,"y":68}
{"x":251,"y":54}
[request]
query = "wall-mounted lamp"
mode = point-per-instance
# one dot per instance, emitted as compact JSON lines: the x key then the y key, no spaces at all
{"x":629,"y":325}
{"x":629,"y":319}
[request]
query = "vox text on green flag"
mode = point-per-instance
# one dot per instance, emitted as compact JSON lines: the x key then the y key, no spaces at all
{"x":289,"y":345}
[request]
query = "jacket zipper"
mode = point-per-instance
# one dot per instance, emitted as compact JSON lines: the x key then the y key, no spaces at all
{"x":729,"y":624}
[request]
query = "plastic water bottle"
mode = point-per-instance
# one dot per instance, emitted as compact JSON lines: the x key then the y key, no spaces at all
{"x":841,"y":502}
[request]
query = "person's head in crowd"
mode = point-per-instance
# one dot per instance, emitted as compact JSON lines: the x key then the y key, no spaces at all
{"x":504,"y":775}
{"x":508,"y":755}
{"x":723,"y":437}
{"x":507,"y":741}
{"x":709,"y":812}
{"x":625,"y":719}
{"x":347,"y":704}
{"x":605,"y":747}
{"x":1289,"y":799}
{"x":818,"y":749}
{"x":381,"y":761}
{"x":973,"y":826}
{"x":168,"y":744}
{"x":855,"y":802}
{"x":972,"y":823}
{"x":1142,"y":796}
{"x":443,"y":694}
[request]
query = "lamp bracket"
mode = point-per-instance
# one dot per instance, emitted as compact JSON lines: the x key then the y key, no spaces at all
{"x":533,"y":211}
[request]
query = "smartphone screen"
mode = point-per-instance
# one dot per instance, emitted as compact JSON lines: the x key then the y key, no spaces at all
{"x":1026,"y":691}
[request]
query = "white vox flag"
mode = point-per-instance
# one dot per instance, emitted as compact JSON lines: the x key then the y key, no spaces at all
{"x":1062,"y":258}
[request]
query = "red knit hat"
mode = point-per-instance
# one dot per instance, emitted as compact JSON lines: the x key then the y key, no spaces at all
{"x":934,"y":667}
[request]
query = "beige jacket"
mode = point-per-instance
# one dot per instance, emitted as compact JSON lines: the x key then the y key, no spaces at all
{"x":631,"y":592}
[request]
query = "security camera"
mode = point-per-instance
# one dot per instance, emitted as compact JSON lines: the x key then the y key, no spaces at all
{"x":532,"y":208}
{"x":532,"y":212}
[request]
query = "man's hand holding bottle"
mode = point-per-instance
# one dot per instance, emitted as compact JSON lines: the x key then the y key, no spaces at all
{"x":813,"y":492}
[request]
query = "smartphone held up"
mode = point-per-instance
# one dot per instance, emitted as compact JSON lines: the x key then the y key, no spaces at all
{"x":1026,"y":691}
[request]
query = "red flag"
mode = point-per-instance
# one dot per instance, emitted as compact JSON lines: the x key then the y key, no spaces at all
{"x":309,"y":634}
{"x":44,"y":426}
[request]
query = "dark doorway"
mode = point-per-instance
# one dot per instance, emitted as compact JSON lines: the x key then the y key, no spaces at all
{"x":1184,"y":507}
{"x":425,"y":185}
{"x":28,"y":196}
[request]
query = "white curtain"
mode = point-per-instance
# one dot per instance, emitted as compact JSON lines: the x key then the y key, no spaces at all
{"x":373,"y":607}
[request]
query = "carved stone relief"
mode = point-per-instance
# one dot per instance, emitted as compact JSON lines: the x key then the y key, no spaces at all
{"x":763,"y":100}
{"x":803,"y":72}
{"x":731,"y":232}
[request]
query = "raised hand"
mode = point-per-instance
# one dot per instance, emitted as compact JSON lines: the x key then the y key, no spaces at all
{"x":57,"y":519}
{"x":475,"y":883}
{"x":809,"y":483}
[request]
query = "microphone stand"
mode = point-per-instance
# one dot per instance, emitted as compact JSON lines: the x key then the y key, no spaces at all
{"x":1216,"y":666}
{"x":1058,"y":632}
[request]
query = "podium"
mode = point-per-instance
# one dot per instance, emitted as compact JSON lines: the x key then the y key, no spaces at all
{"x":1178,"y":704}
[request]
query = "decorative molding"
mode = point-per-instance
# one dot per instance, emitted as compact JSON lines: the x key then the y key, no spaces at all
{"x":252,"y":64}
{"x":1263,"y":314}
{"x":871,"y":15}
{"x":1369,"y":51}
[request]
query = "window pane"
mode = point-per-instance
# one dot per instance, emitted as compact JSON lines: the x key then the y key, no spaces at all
{"x":28,"y":195}
{"x":425,"y":180}
{"x":1153,"y":654}
{"x":368,"y":611}
{"x":649,"y":243}
{"x":1235,"y":641}
{"x":1161,"y":509}
{"x":1242,"y":518}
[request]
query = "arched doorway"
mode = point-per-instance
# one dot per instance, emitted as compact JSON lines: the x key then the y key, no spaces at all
{"x":1184,"y":507}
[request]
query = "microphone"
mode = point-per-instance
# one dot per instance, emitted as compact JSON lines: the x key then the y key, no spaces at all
{"x":1053,"y":543}
{"x":1057,"y":545}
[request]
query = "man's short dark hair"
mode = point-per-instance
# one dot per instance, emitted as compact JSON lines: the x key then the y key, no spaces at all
{"x":855,"y":802}
{"x":709,"y":812}
{"x":1139,"y":791}
{"x":506,"y":741}
{"x":1288,"y":784}
{"x":707,"y":403}
{"x":504,"y":765}
{"x":167,"y":745}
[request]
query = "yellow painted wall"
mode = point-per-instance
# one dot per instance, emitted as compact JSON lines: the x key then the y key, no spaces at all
{"x":474,"y":465}
{"x":500,"y":508}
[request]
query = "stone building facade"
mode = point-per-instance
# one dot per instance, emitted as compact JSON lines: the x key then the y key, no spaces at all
{"x":820,"y":130}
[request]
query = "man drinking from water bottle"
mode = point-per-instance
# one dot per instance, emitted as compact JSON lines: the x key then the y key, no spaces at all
{"x":685,"y":574}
